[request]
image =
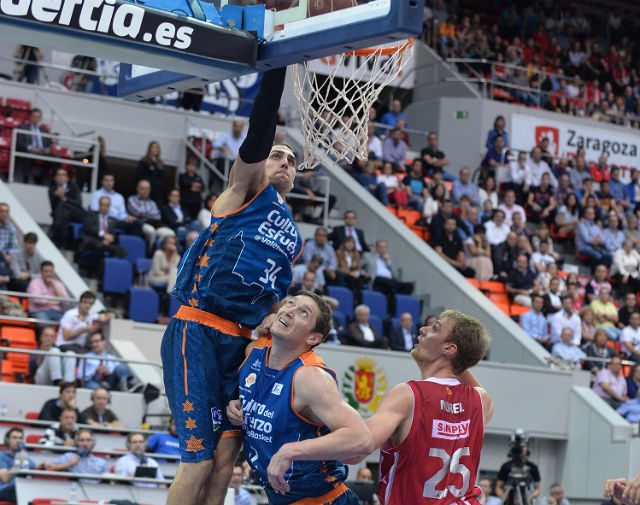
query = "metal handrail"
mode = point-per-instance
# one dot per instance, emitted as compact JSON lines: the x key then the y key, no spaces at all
{"x":39,"y":423}
{"x":64,"y":448}
{"x":22,"y":294}
{"x":91,"y":476}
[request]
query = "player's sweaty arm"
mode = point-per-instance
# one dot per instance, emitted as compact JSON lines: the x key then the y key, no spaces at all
{"x":467,"y":377}
{"x":318,"y":399}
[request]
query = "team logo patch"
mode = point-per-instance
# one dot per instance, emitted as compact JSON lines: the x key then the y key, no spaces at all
{"x":216,"y":418}
{"x":450,"y":431}
{"x":363,"y":385}
{"x":250,"y":380}
{"x":277,"y":389}
{"x":256,"y":365}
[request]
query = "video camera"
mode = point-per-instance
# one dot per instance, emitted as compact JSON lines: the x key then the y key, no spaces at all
{"x":518,"y":451}
{"x":517,"y":485}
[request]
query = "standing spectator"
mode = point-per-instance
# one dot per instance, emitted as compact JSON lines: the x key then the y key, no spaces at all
{"x":82,"y":460}
{"x":164,"y":265}
{"x":598,"y":348}
{"x":404,"y":337}
{"x":590,"y":241}
{"x":633,"y":189}
{"x":416,"y":188}
{"x":391,"y":117}
{"x":630,"y":306}
{"x":394,"y":149}
{"x":8,"y":238}
{"x":610,"y":384}
{"x":606,"y":313}
{"x":175,"y":217}
{"x":349,"y":267}
{"x":534,"y":323}
{"x":566,"y":318}
{"x":53,"y":369}
{"x":64,"y":431}
{"x":25,"y":263}
{"x":66,"y":206}
{"x":434,"y":159}
{"x":99,"y":235}
{"x":165,"y":443}
{"x":503,"y":256}
{"x":128,"y":464}
{"x":191,"y":187}
{"x":499,"y":129}
{"x":12,"y":459}
{"x":567,"y":350}
{"x":537,"y":167}
{"x":626,"y":268}
{"x":383,"y":273}
{"x":521,"y":282}
{"x":37,"y":142}
{"x":52,"y":409}
{"x":349,"y":229}
{"x":241,"y":495}
{"x":145,"y":210}
{"x":449,"y":247}
{"x":101,"y":372}
{"x":510,"y":207}
{"x":47,"y":285}
{"x":97,"y":414}
{"x":361,"y":333}
{"x":228,"y":144}
{"x":497,"y":229}
{"x":464,"y":186}
{"x":78,"y":323}
{"x":151,"y":168}
{"x":630,"y":338}
{"x":319,"y":246}
{"x":27,"y":67}
{"x":117,"y":207}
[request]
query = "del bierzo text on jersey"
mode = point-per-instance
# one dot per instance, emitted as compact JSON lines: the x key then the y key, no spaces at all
{"x":278,"y":231}
{"x":102,"y":16}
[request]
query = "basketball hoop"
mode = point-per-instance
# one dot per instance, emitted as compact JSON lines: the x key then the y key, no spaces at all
{"x":335,"y":118}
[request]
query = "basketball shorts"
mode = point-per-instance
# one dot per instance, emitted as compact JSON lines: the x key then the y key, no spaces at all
{"x":201,"y":354}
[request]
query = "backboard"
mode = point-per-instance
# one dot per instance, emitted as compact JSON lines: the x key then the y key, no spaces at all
{"x":290,"y":31}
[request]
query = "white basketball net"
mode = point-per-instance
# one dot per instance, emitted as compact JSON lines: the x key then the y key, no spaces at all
{"x":335,"y":116}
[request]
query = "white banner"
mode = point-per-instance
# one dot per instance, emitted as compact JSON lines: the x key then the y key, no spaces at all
{"x":565,"y":137}
{"x":350,"y":64}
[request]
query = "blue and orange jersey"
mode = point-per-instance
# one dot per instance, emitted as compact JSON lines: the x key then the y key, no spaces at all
{"x":271,"y":420}
{"x":240,"y":265}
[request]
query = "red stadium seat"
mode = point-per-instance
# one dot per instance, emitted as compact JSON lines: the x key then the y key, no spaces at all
{"x":32,"y":415}
{"x":33,"y":438}
{"x":8,"y":374}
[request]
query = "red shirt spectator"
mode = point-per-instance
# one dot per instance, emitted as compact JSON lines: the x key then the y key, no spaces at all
{"x":600,"y":171}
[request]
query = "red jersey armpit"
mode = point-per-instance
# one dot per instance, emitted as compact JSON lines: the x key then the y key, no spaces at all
{"x":438,"y":462}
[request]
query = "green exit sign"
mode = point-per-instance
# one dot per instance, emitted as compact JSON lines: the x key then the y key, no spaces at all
{"x":461,"y":114}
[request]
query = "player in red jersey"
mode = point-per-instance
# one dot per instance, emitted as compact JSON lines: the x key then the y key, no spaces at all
{"x":430,"y":431}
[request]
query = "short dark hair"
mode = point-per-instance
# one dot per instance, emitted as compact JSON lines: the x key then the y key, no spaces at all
{"x":87,"y":295}
{"x":46,"y":263}
{"x":323,"y":322}
{"x":30,"y":238}
{"x":66,"y":385}
{"x":35,"y":109}
{"x":13,"y":429}
{"x":536,"y":295}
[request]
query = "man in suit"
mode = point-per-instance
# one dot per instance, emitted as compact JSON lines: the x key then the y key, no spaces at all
{"x":66,"y":206}
{"x":361,"y":333}
{"x":33,"y":142}
{"x":99,"y":233}
{"x":383,"y":273}
{"x":403,"y":338}
{"x":174,"y":216}
{"x":340,"y":233}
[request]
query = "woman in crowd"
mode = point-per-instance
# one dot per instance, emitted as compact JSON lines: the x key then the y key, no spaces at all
{"x":395,"y":193}
{"x":151,"y":168}
{"x":434,"y":200}
{"x":164,"y":265}
{"x":625,"y":269}
{"x":204,"y":216}
{"x":589,"y":324}
{"x":350,"y":267}
{"x":568,"y":215}
{"x":489,"y":191}
{"x":598,"y":347}
{"x":479,"y":254}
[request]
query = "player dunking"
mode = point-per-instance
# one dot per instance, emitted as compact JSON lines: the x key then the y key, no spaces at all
{"x":228,"y":281}
{"x":430,"y":431}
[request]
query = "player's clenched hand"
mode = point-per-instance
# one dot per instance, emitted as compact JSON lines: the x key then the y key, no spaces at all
{"x":265,"y":326}
{"x":610,"y":486}
{"x":280,"y":463}
{"x":631,"y":491}
{"x":234,"y":412}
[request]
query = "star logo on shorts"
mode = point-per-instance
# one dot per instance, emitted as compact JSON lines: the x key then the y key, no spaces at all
{"x":190,"y":424}
{"x":203,"y":261}
{"x":187,"y":406}
{"x":198,"y":277}
{"x":194,"y":444}
{"x":209,"y":243}
{"x":213,"y":227}
{"x":193,"y":302}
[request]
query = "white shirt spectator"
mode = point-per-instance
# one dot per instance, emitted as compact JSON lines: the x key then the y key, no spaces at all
{"x":540,"y":258}
{"x":382,"y":270}
{"x":560,"y":320}
{"x":630,"y":335}
{"x":517,"y":174}
{"x":626,"y":264}
{"x":118,"y":208}
{"x":232,"y":143}
{"x":367,"y":333}
{"x":298,"y":276}
{"x":510,"y":211}
{"x":126,"y":466}
{"x":496,"y":234}
{"x":71,"y":321}
{"x":536,"y":171}
{"x":390,"y":181}
{"x":375,"y":146}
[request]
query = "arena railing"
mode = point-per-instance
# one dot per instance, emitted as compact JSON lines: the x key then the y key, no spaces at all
{"x":31,"y":296}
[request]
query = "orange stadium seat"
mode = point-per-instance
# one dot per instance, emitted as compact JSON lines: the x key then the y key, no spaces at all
{"x":7,"y":374}
{"x":473,"y":282}
{"x":501,"y":298}
{"x":518,"y":310}
{"x":492,"y":287}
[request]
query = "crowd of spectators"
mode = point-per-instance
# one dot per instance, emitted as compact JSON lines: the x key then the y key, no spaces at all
{"x":561,"y":56}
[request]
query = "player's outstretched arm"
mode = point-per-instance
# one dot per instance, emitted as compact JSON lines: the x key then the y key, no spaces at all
{"x":317,"y":398}
{"x":467,"y":377}
{"x":623,"y":491}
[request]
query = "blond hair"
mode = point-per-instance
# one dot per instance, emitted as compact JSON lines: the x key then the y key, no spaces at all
{"x":470,"y":337}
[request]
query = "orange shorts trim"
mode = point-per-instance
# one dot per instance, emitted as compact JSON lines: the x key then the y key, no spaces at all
{"x":231,"y":434}
{"x":325,"y":499}
{"x":200,"y":316}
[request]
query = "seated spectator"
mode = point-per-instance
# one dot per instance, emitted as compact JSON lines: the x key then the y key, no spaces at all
{"x":394,"y":149}
{"x":625,"y":269}
{"x":52,"y":408}
{"x":368,"y":179}
{"x":479,"y":254}
{"x":191,"y":187}
{"x":630,"y":338}
{"x":80,"y":461}
{"x":618,"y":190}
{"x":360,"y":333}
{"x":349,"y":229}
{"x":544,"y":278}
{"x":66,"y":206}
{"x":504,"y":255}
{"x":488,"y":191}
{"x":606,"y":313}
{"x":630,"y":306}
{"x":524,"y":246}
{"x":449,"y":247}
{"x":537,"y":167}
{"x":568,"y":215}
{"x":556,"y":496}
{"x":610,"y":384}
{"x":597,"y":347}
{"x":632,"y":231}
{"x":64,"y":431}
{"x":518,"y":226}
{"x":437,"y":222}
{"x":383,"y":273}
{"x":176,"y":218}
{"x":404,"y":337}
{"x":12,"y":459}
{"x":145,"y":209}
{"x":391,"y":117}
{"x":534,"y":323}
{"x":585,"y":192}
{"x":97,"y":414}
{"x":434,"y":159}
{"x":228,"y":144}
{"x":415,"y":187}
{"x":633,"y":382}
{"x":47,"y":285}
{"x":308,"y":283}
{"x":117,"y":207}
{"x":98,"y":372}
{"x":579,"y":172}
{"x":553,"y":297}
{"x":541,"y":259}
{"x":165,"y":443}
{"x":563,"y":190}
{"x":518,"y":175}
{"x":567,"y":350}
{"x":164,"y":265}
{"x":509,"y":207}
{"x":151,"y":169}
{"x":566,"y":318}
{"x":521,"y":282}
{"x":590,"y":240}
{"x":496,"y":157}
{"x":78,"y":323}
{"x":315,"y":267}
{"x":241,"y":495}
{"x":319,"y":246}
{"x":596,"y":283}
{"x":630,"y":410}
{"x":612,"y":234}
{"x":396,"y":194}
{"x":51,"y":370}
{"x":25,"y":263}
{"x":497,"y":229}
{"x":600,"y":171}
{"x":349,"y":269}
{"x":541,"y":202}
{"x":464,"y":186}
{"x":633,"y":189}
{"x":204,"y":216}
{"x":469,"y":218}
{"x":375,"y":144}
{"x":487,"y":497}
{"x":99,"y":234}
{"x":128,"y":464}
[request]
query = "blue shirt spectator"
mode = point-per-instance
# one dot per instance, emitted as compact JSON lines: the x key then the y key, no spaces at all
{"x":630,"y":410}
{"x":617,"y":188}
{"x":394,"y":148}
{"x":566,"y":350}
{"x":465,"y":187}
{"x":118,"y":207}
{"x":498,"y":129}
{"x":590,"y":240}
{"x":8,"y":237}
{"x":86,"y":463}
{"x":391,"y":117}
{"x":164,"y":443}
{"x":14,"y":439}
{"x":535,"y":324}
{"x":613,"y":235}
{"x":320,"y":246}
{"x":633,"y":382}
